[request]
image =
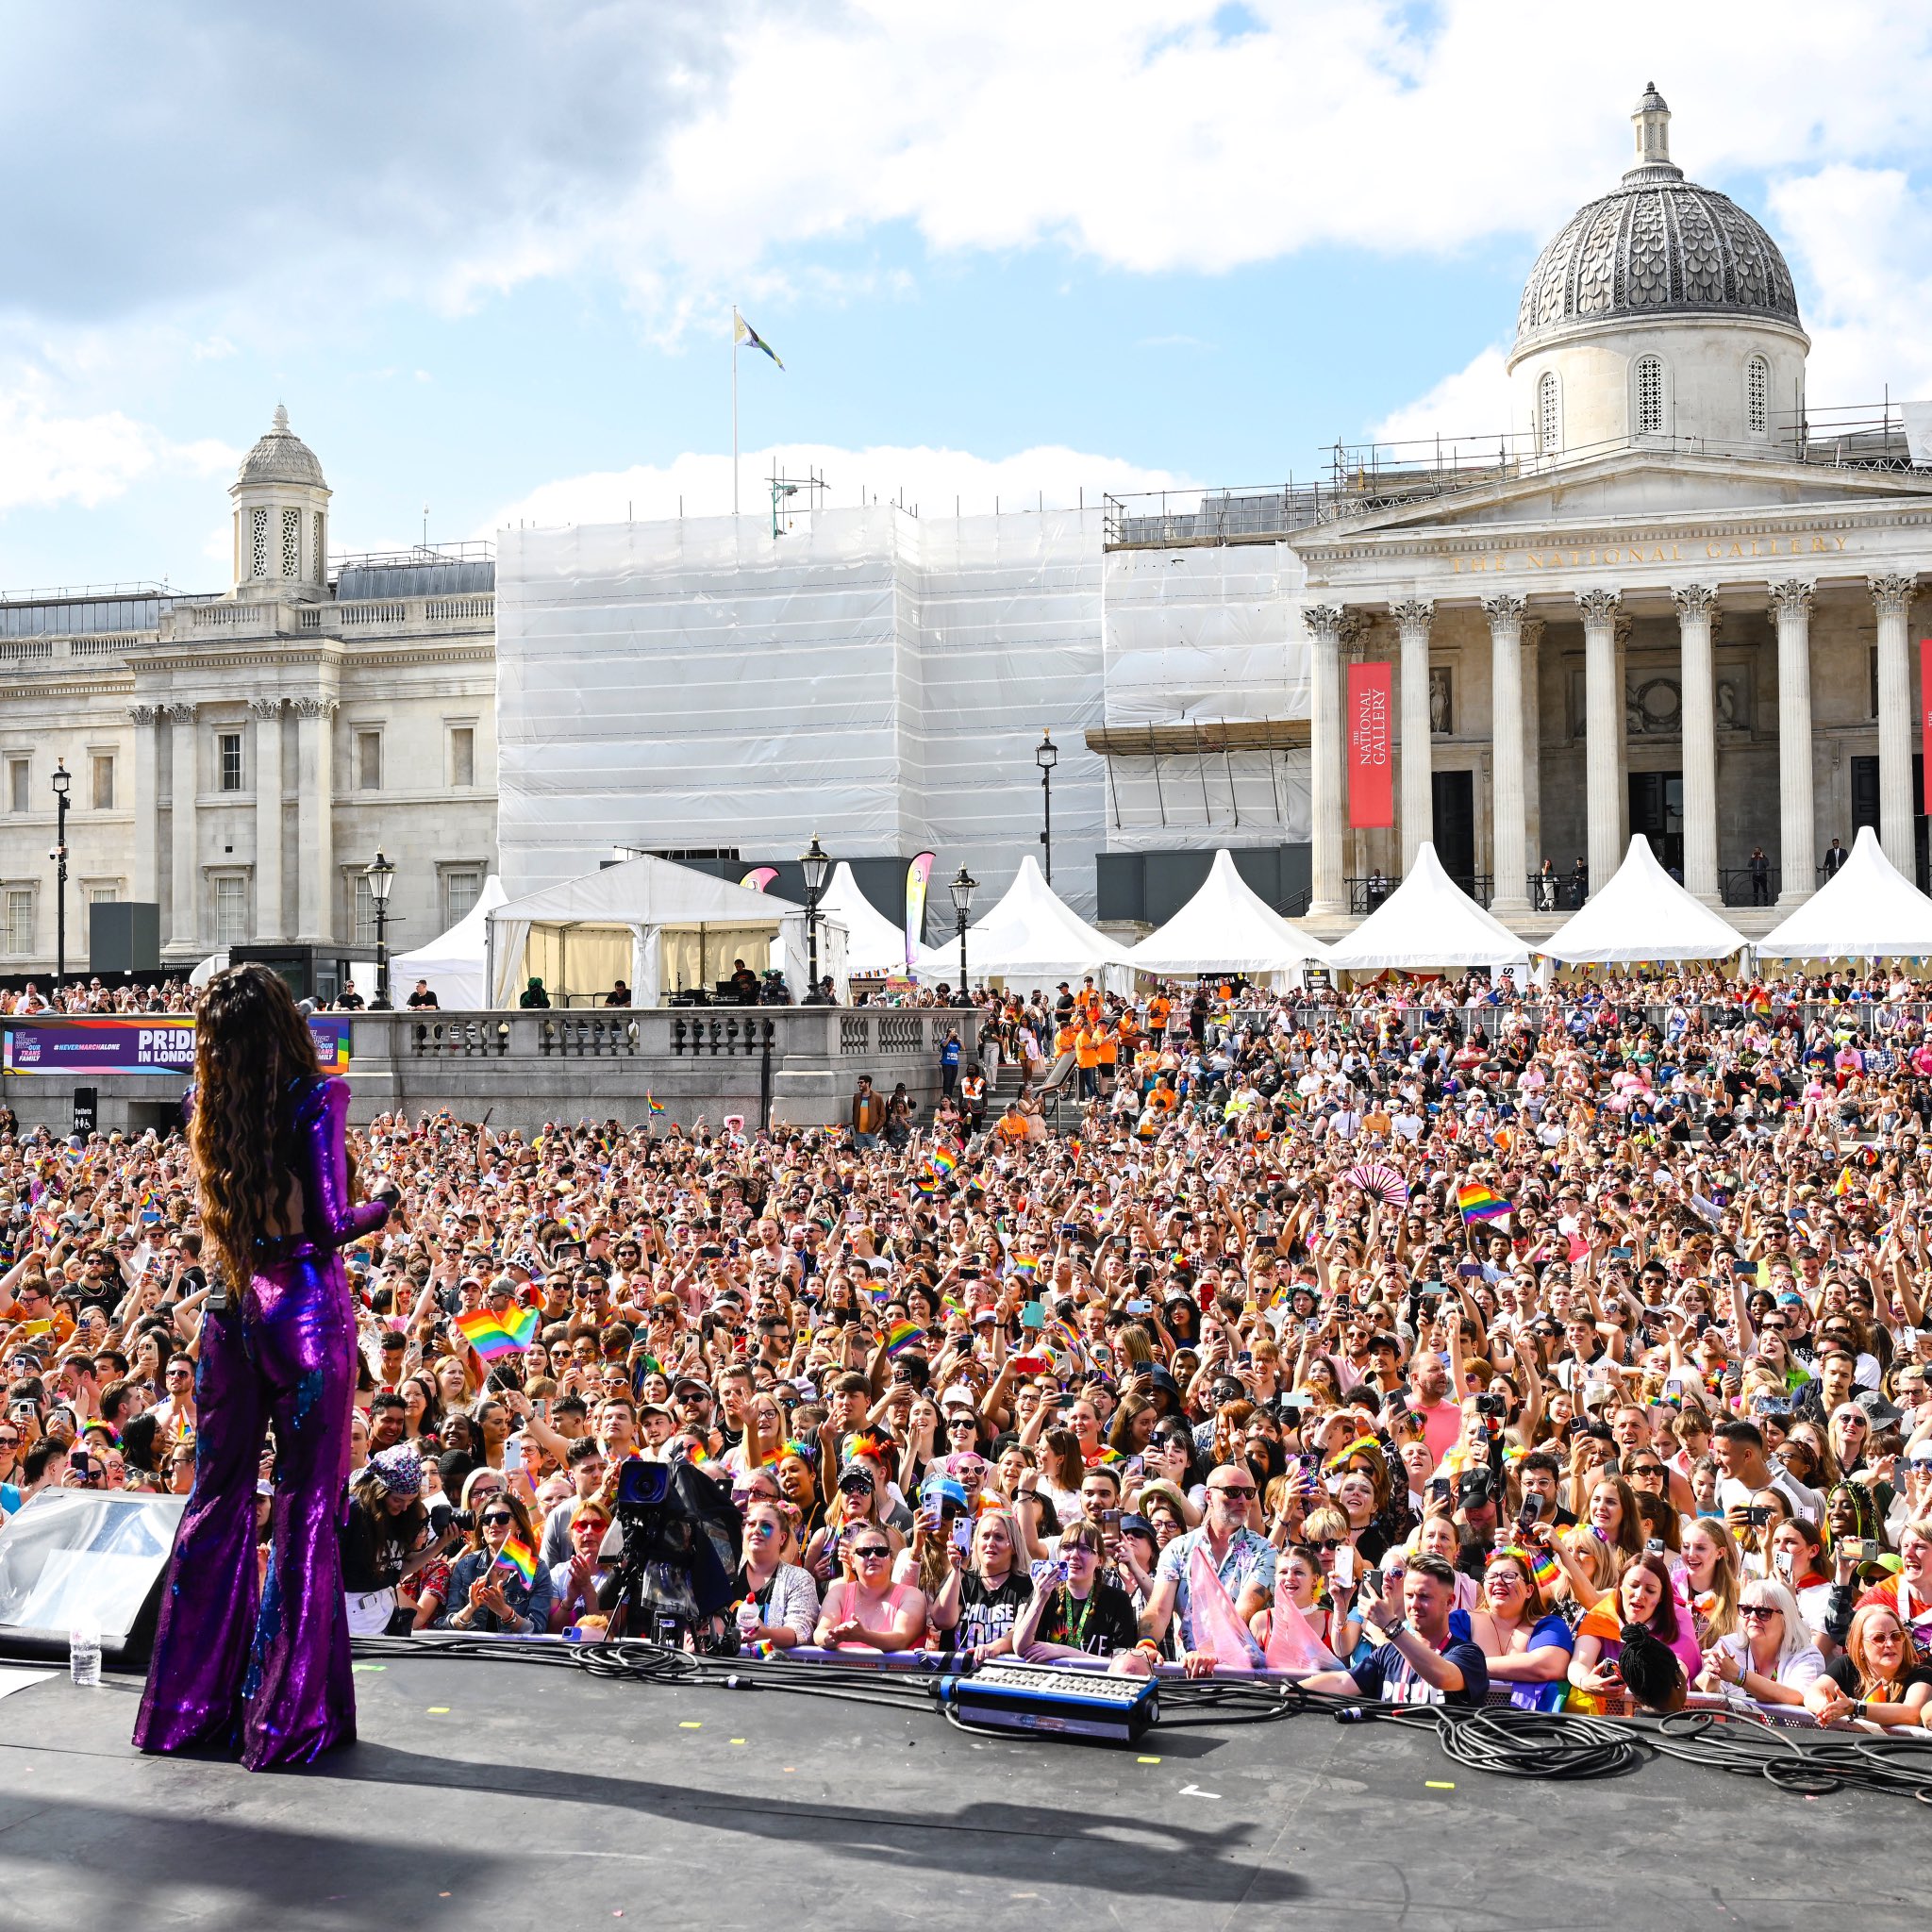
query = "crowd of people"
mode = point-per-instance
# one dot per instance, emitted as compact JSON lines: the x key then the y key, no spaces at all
{"x":1440,"y":1342}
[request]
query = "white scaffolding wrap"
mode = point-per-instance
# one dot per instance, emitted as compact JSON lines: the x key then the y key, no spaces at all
{"x":871,"y":676}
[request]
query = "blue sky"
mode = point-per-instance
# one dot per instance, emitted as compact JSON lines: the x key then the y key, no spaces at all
{"x":486,"y":253}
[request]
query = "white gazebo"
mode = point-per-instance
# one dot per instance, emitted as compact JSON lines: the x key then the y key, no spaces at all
{"x":663,"y":926}
{"x":1228,"y":927}
{"x":455,"y":965}
{"x":1032,"y":938}
{"x":1867,"y":909}
{"x":1429,"y":923}
{"x":1640,"y":913}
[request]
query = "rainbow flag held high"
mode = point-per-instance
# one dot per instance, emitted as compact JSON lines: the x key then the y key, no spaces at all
{"x":1843,"y":1184}
{"x":489,"y":1337}
{"x":656,"y":1106}
{"x":1025,"y":1264}
{"x":519,"y":1556}
{"x":520,"y":1326}
{"x":1479,"y":1203}
{"x":901,"y":1335}
{"x":943,"y":1159}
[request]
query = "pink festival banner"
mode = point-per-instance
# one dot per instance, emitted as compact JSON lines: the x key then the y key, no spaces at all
{"x":917,"y":875}
{"x":759,"y":876}
{"x":1371,"y":767}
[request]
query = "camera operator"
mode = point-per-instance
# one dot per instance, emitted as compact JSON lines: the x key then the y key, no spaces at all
{"x":386,"y":1537}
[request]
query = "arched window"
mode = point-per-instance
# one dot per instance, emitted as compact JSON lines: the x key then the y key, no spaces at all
{"x":1650,"y":395}
{"x":1758,"y":396}
{"x":292,"y":542}
{"x":1549,"y":414}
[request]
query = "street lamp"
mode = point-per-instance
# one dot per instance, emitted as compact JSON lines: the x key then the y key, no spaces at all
{"x":381,"y":875}
{"x":962,"y":890}
{"x":63,"y":780}
{"x":816,"y":863}
{"x":1046,"y":757}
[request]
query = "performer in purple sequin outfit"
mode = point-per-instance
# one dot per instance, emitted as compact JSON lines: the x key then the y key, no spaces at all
{"x":264,"y":1671}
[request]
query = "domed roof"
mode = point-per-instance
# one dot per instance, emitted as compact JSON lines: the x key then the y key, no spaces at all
{"x":280,"y":457}
{"x":1656,"y":245}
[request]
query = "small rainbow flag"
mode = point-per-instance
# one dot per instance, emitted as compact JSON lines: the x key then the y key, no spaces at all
{"x":519,"y":1557}
{"x":1546,"y":1568}
{"x":488,"y":1336}
{"x":1478,"y":1204}
{"x":1025,"y":1264}
{"x":1843,"y":1184}
{"x":943,"y":1160}
{"x":901,"y":1335}
{"x":657,"y":1106}
{"x":520,"y":1326}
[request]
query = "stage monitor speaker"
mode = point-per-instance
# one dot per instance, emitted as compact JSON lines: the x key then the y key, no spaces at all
{"x":124,"y":936}
{"x":94,"y":1557}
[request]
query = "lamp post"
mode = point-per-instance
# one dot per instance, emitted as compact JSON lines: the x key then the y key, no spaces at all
{"x":381,"y":875}
{"x":1046,"y":757}
{"x":962,"y":890}
{"x":63,"y":780}
{"x":816,"y":863}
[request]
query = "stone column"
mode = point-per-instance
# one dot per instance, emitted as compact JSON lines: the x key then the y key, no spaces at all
{"x":1327,"y":893}
{"x":1797,"y":840}
{"x":315,"y":807}
{"x":1602,"y":733}
{"x":184,"y":880}
{"x":147,"y":803}
{"x":1418,"y":796}
{"x":1696,"y":607}
{"x":1509,"y":854}
{"x":1532,"y":743}
{"x":1893,"y":593}
{"x":268,"y":817}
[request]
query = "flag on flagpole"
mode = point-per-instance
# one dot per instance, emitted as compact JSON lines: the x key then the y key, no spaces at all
{"x":745,"y":333}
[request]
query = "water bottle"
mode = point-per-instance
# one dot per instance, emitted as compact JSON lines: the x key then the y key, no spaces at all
{"x":84,"y":1655}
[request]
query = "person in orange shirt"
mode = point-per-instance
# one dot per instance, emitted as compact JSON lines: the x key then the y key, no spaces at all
{"x":1087,"y":1055}
{"x":1107,"y":1043}
{"x":1012,"y":1127}
{"x":1159,"y":1007}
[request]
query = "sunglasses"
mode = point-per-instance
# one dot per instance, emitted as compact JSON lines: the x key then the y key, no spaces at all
{"x":1759,"y":1612}
{"x":872,"y":1553}
{"x":495,"y":1516}
{"x":1328,"y":1542}
{"x":1233,"y":1490}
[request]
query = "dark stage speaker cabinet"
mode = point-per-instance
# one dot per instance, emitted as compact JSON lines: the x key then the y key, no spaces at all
{"x":75,"y":1556}
{"x":124,"y":936}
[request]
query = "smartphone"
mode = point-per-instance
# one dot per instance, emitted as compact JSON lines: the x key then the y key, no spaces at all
{"x":962,"y":1535}
{"x":1758,"y":1515}
{"x":513,"y":1456}
{"x":1344,"y":1565}
{"x":1029,"y":1364}
{"x":1861,"y":1549}
{"x":1033,"y":1315}
{"x":1438,"y":1489}
{"x":1655,"y":1545}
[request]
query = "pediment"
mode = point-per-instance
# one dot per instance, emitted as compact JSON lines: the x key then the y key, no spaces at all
{"x":1637,"y":486}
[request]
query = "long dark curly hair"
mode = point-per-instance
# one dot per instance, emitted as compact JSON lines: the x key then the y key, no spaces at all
{"x":250,"y":1045}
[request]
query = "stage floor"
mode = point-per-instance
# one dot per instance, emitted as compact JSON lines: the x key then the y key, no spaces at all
{"x":511,"y":1795}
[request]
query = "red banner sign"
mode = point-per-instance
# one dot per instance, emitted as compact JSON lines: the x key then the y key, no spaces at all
{"x":1925,"y":717}
{"x":1370,"y":766}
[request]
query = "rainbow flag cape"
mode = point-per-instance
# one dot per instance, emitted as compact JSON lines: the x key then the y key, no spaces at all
{"x":518,"y":1556}
{"x":901,"y":1335}
{"x":1478,"y":1204}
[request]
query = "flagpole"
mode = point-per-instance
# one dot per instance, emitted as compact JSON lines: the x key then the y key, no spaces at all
{"x":734,"y":410}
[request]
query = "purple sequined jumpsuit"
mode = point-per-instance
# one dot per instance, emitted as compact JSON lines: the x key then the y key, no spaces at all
{"x":267,"y":1672}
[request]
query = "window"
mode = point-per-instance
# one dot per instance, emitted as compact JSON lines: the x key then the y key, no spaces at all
{"x":20,"y":774}
{"x":231,"y":909}
{"x":1758,"y":396}
{"x":460,"y":891}
{"x":228,"y":759}
{"x":1549,"y":415}
{"x":292,"y":542}
{"x":103,"y":768}
{"x":369,"y":761}
{"x":320,"y":555}
{"x":93,"y":896}
{"x":364,"y":910}
{"x":20,"y":919}
{"x":462,"y":756}
{"x":1650,"y":395}
{"x":257,"y":543}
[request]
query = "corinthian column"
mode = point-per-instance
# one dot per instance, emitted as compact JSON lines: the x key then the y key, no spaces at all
{"x":1323,"y":622}
{"x":1893,"y":593}
{"x":1602,"y":732}
{"x":1510,"y":853}
{"x":147,"y":805}
{"x":1696,"y":604}
{"x":1532,"y":743}
{"x":1418,"y":798}
{"x":183,"y":876}
{"x":1797,"y":811}
{"x":314,"y":818}
{"x":268,"y":817}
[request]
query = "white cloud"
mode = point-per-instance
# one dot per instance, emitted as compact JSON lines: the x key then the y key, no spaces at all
{"x":50,"y":456}
{"x":700,"y":484}
{"x":1469,"y":407}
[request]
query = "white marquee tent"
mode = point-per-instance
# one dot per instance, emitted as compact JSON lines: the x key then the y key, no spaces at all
{"x":1228,"y":927}
{"x":1031,"y":938}
{"x":662,"y":926}
{"x":1640,"y":913}
{"x":874,"y":945}
{"x":1428,"y":921}
{"x":1867,"y":910}
{"x":453,"y":965}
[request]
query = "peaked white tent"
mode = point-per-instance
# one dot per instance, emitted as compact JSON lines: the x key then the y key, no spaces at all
{"x":1641,"y":913}
{"x":1867,"y":910}
{"x":1428,"y":921}
{"x":453,"y":965}
{"x":660,"y":926}
{"x":1228,"y":927}
{"x":1031,"y":938}
{"x":873,"y":944}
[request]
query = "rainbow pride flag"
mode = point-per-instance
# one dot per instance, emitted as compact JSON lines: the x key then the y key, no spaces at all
{"x":1479,"y":1203}
{"x":657,"y":1106}
{"x":490,"y":1339}
{"x":1547,"y":1569}
{"x":943,"y":1160}
{"x":901,"y":1335}
{"x":517,"y":1554}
